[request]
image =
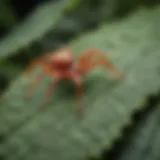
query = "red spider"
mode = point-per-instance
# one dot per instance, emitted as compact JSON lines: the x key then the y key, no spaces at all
{"x":62,"y":65}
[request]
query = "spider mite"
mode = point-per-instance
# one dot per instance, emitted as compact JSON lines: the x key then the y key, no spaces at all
{"x":61,"y":64}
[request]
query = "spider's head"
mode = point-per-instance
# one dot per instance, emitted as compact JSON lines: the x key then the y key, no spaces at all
{"x":63,"y":58}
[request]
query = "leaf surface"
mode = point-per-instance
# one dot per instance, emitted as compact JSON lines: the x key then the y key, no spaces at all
{"x":133,"y":47}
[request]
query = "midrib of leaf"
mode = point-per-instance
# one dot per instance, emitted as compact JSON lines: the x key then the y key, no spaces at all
{"x":38,"y":23}
{"x":108,"y":106}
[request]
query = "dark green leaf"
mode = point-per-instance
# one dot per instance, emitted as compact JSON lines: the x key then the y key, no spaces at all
{"x":7,"y":16}
{"x":145,"y":142}
{"x":43,"y":19}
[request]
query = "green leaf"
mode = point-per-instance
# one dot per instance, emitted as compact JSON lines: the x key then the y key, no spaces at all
{"x":35,"y":26}
{"x":145,"y":141}
{"x":133,"y":47}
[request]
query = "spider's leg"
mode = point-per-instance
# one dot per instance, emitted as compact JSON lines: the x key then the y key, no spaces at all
{"x":35,"y":84}
{"x":49,"y":91}
{"x":104,"y":62}
{"x":87,"y":55}
{"x":93,"y":58}
{"x":78,"y":83}
{"x":41,"y":61}
{"x":45,"y":70}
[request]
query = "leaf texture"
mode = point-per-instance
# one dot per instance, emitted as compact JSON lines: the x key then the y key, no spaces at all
{"x":57,"y":133}
{"x":39,"y":22}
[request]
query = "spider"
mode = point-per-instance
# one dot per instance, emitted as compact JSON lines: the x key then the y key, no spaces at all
{"x":61,"y":64}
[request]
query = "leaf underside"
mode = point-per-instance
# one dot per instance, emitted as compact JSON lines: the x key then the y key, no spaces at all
{"x":133,"y":47}
{"x":42,"y":20}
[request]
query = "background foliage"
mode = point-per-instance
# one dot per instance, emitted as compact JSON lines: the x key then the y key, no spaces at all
{"x":46,"y":25}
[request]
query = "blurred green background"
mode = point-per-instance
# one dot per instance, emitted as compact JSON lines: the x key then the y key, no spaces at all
{"x":26,"y":32}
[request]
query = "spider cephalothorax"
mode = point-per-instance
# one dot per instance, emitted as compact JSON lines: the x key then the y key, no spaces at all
{"x":61,"y":64}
